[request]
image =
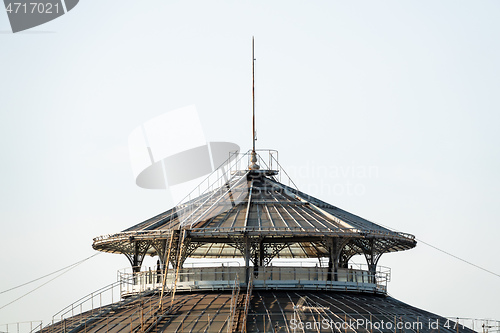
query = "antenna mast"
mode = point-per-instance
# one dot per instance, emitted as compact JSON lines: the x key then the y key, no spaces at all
{"x":253,"y":159}
{"x":253,"y":96}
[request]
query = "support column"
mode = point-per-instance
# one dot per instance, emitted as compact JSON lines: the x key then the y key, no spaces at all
{"x":259,"y":260}
{"x":371,"y":260}
{"x":136,"y":260}
{"x":139,"y":250}
{"x":333,"y":258}
{"x":247,"y":259}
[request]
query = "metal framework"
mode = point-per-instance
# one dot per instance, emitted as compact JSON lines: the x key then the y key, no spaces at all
{"x":251,"y":215}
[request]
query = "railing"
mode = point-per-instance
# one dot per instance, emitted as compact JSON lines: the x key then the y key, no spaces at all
{"x":137,"y":282}
{"x":219,"y":183}
{"x":279,"y":230}
{"x":91,"y":303}
{"x":247,"y":305}
{"x":213,"y":186}
{"x":478,"y":325}
{"x":319,"y":231}
{"x":272,"y":277}
{"x":22,"y":327}
{"x":125,"y":235}
{"x":100,"y":304}
{"x":232,"y":308}
{"x":266,"y":158}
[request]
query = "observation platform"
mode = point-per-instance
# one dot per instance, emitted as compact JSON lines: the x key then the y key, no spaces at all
{"x":262,"y":278}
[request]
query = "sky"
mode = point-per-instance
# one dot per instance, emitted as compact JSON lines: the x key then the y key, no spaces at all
{"x":387,"y":109}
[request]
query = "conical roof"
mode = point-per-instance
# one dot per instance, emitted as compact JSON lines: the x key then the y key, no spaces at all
{"x":269,"y":311}
{"x":253,"y":203}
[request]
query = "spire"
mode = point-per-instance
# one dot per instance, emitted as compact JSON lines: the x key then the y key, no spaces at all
{"x":253,"y":160}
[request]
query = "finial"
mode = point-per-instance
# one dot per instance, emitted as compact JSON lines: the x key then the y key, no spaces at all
{"x":253,"y":160}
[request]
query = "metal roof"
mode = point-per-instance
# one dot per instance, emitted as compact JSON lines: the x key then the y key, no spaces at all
{"x":268,"y":311}
{"x":255,"y":204}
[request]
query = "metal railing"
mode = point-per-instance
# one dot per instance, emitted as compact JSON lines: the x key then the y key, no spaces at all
{"x":233,"y":304}
{"x":91,"y":303}
{"x":132,"y":283}
{"x":213,"y":185}
{"x":319,"y":231}
{"x":478,"y":325}
{"x":218,"y":184}
{"x":271,"y":277}
{"x":22,"y":327}
{"x":87,"y":309}
{"x":147,"y":234}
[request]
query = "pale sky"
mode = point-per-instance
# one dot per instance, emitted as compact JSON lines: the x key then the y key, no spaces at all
{"x":388,"y":109}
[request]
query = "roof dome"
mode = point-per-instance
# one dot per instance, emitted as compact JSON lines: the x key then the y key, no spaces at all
{"x":269,"y":311}
{"x":255,"y":204}
{"x":250,"y":213}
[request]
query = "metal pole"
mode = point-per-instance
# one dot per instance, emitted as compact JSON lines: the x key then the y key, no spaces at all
{"x":142,"y":317}
{"x":253,"y":98}
{"x":253,"y":159}
{"x":179,"y":259}
{"x":165,"y":270}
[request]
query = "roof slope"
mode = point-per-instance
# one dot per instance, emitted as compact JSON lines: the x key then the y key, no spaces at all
{"x":269,"y":311}
{"x":253,"y":203}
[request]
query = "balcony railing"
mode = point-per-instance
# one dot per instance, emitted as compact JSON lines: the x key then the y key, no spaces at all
{"x":273,"y":277}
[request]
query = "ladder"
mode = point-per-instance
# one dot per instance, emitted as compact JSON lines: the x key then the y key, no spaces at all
{"x":239,"y":322}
